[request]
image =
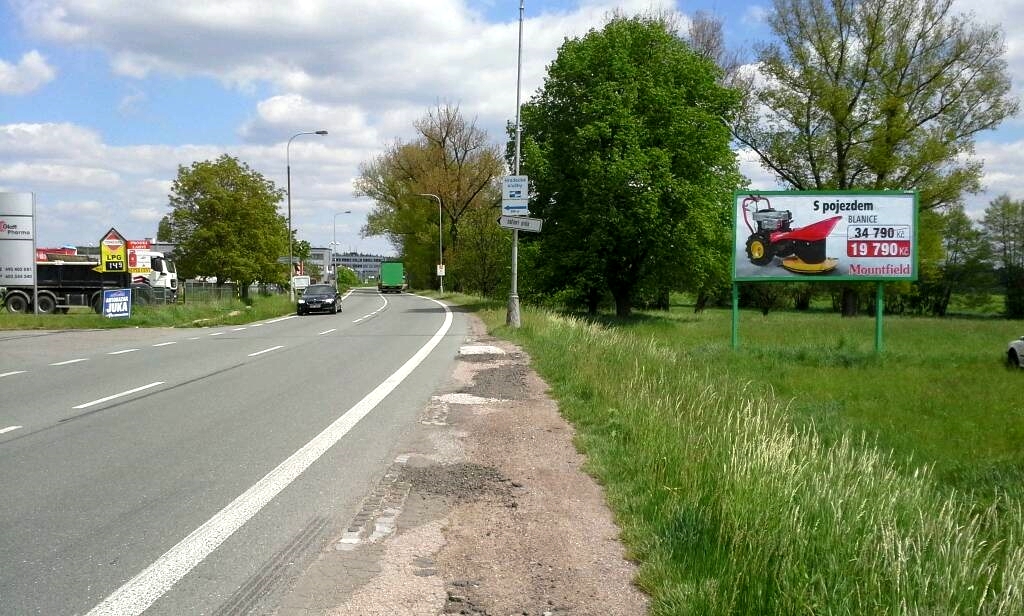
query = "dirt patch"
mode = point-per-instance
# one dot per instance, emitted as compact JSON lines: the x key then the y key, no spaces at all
{"x":489,"y":514}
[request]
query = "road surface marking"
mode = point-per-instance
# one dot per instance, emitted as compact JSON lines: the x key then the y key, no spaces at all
{"x":284,"y":318}
{"x":333,"y":329}
{"x":123,"y":393}
{"x":238,"y":329}
{"x":273,"y":348}
{"x":382,"y":307}
{"x":217,"y":334}
{"x":122,"y":351}
{"x":9,"y":429}
{"x":11,"y":373}
{"x":257,"y":325}
{"x":70,"y":361}
{"x":144,"y":589}
{"x":165,"y":343}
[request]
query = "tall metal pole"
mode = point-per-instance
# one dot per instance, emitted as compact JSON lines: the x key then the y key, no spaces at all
{"x":440,"y":245}
{"x":334,"y":242}
{"x":288,"y":174}
{"x":513,"y":319}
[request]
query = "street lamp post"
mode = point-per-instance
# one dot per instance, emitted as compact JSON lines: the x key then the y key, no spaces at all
{"x":335,"y":242}
{"x":288,"y":173}
{"x":440,"y":246}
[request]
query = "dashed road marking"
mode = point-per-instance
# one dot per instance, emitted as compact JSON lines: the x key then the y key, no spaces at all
{"x":11,"y":373}
{"x":70,"y":361}
{"x":165,"y":343}
{"x":115,"y":396}
{"x":122,"y":352}
{"x":333,"y":329}
{"x":9,"y":429}
{"x":273,"y":348}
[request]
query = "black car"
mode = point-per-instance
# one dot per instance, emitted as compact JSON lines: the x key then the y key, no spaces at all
{"x":319,"y":298}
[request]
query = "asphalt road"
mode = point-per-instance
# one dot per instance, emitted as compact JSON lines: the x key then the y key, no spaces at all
{"x":163,"y":470}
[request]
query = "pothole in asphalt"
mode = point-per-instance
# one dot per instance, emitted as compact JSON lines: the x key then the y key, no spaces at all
{"x":461,"y":483}
{"x":504,"y":382}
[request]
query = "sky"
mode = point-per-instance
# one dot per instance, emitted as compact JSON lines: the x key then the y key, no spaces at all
{"x":101,"y":101}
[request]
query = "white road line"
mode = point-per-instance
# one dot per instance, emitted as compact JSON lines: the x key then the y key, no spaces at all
{"x":382,"y":307}
{"x":195,"y":338}
{"x":144,"y":589}
{"x":122,"y":352}
{"x":217,"y":334}
{"x":333,"y":329}
{"x":9,"y":429}
{"x":70,"y":361}
{"x":11,"y":373}
{"x":284,"y":318}
{"x":256,"y":325}
{"x":166,"y":343}
{"x":273,"y":348}
{"x":238,"y":329}
{"x":122,"y":394}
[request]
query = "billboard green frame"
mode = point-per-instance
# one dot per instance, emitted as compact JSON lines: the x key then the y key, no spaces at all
{"x":877,"y":231}
{"x":869,"y":222}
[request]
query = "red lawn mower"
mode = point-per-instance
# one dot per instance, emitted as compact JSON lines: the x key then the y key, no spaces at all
{"x":801,"y":250}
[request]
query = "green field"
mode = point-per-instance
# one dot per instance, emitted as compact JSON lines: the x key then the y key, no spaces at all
{"x":802,"y":473}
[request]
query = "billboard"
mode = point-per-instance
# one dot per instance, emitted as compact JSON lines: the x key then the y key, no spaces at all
{"x":809,"y":235}
{"x":17,"y":239}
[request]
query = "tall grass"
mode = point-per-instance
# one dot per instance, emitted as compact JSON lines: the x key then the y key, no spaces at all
{"x":733,"y":502}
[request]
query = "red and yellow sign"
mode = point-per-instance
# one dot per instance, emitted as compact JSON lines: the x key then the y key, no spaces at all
{"x":113,"y":257}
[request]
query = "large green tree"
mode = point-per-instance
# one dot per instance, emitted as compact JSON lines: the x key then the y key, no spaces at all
{"x":627,"y":150}
{"x":876,"y":94}
{"x":225,"y":221}
{"x":1004,"y":230}
{"x":451,"y":158}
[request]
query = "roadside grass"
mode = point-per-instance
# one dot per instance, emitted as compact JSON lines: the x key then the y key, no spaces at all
{"x":197,"y":314}
{"x":802,"y":473}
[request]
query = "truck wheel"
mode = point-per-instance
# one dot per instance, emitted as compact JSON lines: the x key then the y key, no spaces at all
{"x":17,"y":302}
{"x":46,"y":303}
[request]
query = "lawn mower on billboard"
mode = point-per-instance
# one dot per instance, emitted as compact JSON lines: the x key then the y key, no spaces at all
{"x":801,"y":250}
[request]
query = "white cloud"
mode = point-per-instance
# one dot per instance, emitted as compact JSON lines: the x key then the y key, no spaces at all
{"x":29,"y":74}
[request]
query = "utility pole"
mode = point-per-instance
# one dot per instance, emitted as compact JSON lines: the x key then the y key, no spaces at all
{"x":513,"y":318}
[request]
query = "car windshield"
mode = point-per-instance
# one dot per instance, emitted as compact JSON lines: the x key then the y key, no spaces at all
{"x":319,"y":289}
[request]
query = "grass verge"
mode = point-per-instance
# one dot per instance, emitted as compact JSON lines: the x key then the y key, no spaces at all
{"x":797,"y":475}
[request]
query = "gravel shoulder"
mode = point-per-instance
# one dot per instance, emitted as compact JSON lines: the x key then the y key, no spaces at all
{"x":487,"y":514}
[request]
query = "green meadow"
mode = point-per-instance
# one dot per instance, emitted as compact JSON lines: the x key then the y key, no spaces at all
{"x":802,"y":473}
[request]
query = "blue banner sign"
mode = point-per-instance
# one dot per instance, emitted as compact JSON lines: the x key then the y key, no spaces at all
{"x":117,"y":303}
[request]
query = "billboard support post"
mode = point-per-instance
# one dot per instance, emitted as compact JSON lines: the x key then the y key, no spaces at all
{"x":735,"y":316}
{"x":849,"y":236}
{"x":879,"y":309}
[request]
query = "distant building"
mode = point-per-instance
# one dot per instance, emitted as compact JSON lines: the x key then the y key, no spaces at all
{"x":365,"y":266}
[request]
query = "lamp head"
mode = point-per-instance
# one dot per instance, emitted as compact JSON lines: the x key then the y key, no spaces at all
{"x":321,"y":132}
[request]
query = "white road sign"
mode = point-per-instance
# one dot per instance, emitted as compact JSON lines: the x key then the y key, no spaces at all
{"x":515,"y":197}
{"x":521,"y":222}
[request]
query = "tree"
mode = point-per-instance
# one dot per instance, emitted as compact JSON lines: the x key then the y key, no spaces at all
{"x":224,"y":219}
{"x":876,"y":94}
{"x":1004,"y":230}
{"x":628,"y":154}
{"x":450,"y":158}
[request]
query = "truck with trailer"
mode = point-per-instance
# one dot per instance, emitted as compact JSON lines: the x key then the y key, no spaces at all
{"x":391,"y":278}
{"x":70,"y":281}
{"x":161,"y":275}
